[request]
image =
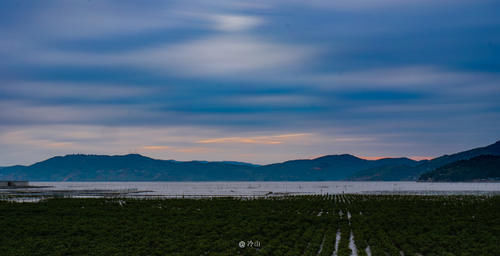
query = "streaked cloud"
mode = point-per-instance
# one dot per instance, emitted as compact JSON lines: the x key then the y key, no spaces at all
{"x":184,"y":150}
{"x":352,"y":139}
{"x":75,"y":91}
{"x":156,"y":147}
{"x":409,"y":77}
{"x":226,"y":55}
{"x":370,"y":5}
{"x":99,"y":18}
{"x":234,"y":23}
{"x":254,"y":81}
{"x":268,"y":140}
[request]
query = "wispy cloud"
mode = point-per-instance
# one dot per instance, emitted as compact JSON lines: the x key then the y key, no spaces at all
{"x":235,"y":23}
{"x":76,"y":91}
{"x":347,"y":139}
{"x":225,"y":55}
{"x":235,"y":77}
{"x":268,"y":140}
{"x":185,"y":149}
{"x":101,"y":18}
{"x":156,"y":147}
{"x":406,"y":77}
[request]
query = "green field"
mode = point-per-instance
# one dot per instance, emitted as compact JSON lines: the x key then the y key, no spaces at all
{"x":302,"y":225}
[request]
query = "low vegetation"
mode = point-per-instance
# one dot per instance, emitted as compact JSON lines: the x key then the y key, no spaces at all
{"x":300,"y":225}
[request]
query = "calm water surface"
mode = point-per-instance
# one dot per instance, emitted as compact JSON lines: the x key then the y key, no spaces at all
{"x":273,"y":188}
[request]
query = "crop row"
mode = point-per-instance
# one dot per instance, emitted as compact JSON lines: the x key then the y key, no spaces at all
{"x":294,"y":225}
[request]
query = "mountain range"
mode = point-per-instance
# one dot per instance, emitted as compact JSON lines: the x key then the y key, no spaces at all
{"x":135,"y":167}
{"x":413,"y":172}
{"x":479,"y":168}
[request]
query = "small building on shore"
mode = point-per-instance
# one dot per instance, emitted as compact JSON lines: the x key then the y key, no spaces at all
{"x":14,"y":183}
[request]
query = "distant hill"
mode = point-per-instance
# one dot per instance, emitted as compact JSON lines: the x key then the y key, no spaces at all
{"x":480,"y":168}
{"x":231,"y":162}
{"x":333,"y":167}
{"x":413,"y":172}
{"x":134,"y":167}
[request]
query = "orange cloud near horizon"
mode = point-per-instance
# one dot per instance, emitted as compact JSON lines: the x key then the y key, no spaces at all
{"x":268,"y":140}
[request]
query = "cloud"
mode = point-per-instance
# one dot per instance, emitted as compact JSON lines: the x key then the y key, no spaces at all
{"x":185,"y":150}
{"x":267,"y":140}
{"x":221,"y":55}
{"x":62,"y":20}
{"x":356,"y":5}
{"x":28,"y":144}
{"x":156,"y":147}
{"x":224,"y":55}
{"x":15,"y":112}
{"x":406,"y":77}
{"x":77,"y":92}
{"x":88,"y":19}
{"x":234,"y":23}
{"x":348,"y":139}
{"x":362,"y":76}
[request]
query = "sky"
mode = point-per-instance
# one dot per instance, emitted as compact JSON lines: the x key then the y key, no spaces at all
{"x":256,"y":81}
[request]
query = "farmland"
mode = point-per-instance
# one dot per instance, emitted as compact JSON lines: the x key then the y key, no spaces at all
{"x":294,"y":225}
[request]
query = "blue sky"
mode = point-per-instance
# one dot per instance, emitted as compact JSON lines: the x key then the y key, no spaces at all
{"x":256,"y":81}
